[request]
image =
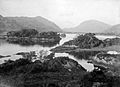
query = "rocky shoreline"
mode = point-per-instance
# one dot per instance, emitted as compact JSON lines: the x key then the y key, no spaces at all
{"x":55,"y":72}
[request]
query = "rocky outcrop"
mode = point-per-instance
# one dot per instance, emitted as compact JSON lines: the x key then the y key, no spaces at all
{"x":100,"y":78}
{"x":110,"y":61}
{"x":85,"y":41}
{"x":57,"y":72}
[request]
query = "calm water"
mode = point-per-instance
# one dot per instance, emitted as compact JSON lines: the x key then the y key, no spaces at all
{"x":103,"y":37}
{"x":11,"y":49}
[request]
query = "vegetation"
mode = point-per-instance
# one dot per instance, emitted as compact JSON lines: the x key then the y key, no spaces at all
{"x":59,"y":72}
{"x":111,"y":42}
{"x":23,"y":33}
{"x":55,"y":72}
{"x":84,"y":54}
{"x":42,"y":70}
{"x":85,"y":41}
{"x":63,"y":35}
{"x":100,"y":78}
{"x":32,"y":37}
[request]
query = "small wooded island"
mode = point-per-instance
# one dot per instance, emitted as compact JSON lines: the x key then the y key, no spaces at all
{"x":32,"y":37}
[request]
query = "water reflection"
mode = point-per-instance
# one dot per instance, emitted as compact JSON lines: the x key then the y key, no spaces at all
{"x":10,"y":49}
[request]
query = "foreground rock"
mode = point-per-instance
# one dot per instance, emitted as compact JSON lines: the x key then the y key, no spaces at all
{"x":57,"y":72}
{"x":100,"y":77}
{"x":110,"y":61}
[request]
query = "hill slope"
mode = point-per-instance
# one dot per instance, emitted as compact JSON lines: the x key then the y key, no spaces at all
{"x":90,"y":26}
{"x":16,"y":23}
{"x":114,"y":29}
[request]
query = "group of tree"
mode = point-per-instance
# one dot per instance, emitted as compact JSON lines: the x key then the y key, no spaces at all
{"x":32,"y":36}
{"x":32,"y":33}
{"x":23,"y":33}
{"x":85,"y":41}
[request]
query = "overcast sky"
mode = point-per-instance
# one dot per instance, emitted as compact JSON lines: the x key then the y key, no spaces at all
{"x":65,"y":13}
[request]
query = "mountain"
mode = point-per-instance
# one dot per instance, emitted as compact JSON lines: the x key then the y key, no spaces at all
{"x":90,"y":26}
{"x":114,"y":29}
{"x":16,"y":23}
{"x":6,"y":25}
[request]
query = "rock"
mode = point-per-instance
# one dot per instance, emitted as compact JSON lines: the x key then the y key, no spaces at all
{"x":110,"y":61}
{"x":56,"y":72}
{"x":100,"y":78}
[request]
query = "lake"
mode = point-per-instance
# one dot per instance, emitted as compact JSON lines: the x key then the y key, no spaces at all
{"x":11,"y":49}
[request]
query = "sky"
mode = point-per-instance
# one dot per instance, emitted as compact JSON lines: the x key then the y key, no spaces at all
{"x":65,"y":13}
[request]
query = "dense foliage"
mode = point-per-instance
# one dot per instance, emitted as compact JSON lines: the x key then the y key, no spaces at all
{"x":85,"y":41}
{"x":56,"y":72}
{"x":100,"y":78}
{"x":32,"y":36}
{"x":113,"y":41}
{"x":48,"y":35}
{"x":23,"y":33}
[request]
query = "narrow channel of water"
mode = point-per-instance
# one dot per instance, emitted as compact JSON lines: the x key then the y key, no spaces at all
{"x":82,"y":62}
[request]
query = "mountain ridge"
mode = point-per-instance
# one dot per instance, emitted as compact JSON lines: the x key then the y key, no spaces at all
{"x":93,"y":26}
{"x":16,"y":23}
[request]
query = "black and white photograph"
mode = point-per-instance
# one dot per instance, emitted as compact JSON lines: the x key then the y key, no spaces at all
{"x":59,"y":43}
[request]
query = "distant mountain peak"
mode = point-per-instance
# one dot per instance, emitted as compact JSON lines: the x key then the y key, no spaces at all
{"x":90,"y":26}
